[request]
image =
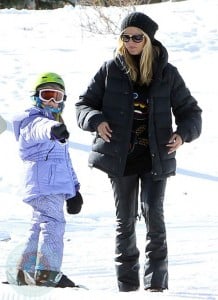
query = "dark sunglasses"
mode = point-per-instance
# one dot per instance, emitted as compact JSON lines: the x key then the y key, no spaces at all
{"x":136,"y":38}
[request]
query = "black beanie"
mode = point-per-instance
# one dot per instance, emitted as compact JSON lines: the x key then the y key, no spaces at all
{"x":140,"y":20}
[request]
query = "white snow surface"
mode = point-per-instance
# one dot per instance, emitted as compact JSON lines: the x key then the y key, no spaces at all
{"x":33,"y":42}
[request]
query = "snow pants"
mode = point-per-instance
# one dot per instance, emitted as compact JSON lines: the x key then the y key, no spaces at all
{"x":126,"y":194}
{"x":44,"y":248}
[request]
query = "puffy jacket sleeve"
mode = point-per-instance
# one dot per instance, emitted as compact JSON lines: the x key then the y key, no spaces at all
{"x":185,"y":109}
{"x":89,"y":106}
{"x":37,"y":130}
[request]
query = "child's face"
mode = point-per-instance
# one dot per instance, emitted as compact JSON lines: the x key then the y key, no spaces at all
{"x":51,"y":95}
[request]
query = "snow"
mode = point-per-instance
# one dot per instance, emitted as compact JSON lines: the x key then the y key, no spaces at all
{"x":36,"y":41}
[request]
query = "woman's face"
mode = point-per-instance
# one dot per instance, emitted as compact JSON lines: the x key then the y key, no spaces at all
{"x":133,"y":40}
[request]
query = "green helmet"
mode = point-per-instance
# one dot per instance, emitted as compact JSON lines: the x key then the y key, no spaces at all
{"x":49,"y":77}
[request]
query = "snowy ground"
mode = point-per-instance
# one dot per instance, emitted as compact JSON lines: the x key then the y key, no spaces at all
{"x":36,"y":41}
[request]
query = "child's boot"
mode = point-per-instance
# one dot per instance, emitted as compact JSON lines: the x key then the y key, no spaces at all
{"x":22,"y":277}
{"x":52,"y":279}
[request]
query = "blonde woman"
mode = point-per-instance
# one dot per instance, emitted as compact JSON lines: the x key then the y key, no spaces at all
{"x":131,"y":103}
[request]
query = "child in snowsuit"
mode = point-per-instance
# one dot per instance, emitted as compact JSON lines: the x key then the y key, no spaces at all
{"x":50,"y":180}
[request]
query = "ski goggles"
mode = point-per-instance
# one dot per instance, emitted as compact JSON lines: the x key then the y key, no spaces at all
{"x":136,"y":38}
{"x":48,"y":95}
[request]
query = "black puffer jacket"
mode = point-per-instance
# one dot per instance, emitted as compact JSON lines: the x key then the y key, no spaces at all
{"x":109,"y":98}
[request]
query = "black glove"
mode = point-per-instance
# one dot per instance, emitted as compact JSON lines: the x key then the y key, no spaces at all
{"x":59,"y":132}
{"x":74,"y":204}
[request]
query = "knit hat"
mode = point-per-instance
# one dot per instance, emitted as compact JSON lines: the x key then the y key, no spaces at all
{"x":142,"y":21}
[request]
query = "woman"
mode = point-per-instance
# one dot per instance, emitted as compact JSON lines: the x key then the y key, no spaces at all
{"x":130,"y":103}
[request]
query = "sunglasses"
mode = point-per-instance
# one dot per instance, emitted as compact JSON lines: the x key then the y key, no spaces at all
{"x":48,"y":95}
{"x":136,"y":38}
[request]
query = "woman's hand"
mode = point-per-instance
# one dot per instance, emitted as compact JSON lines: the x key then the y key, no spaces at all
{"x":174,"y":143}
{"x":104,"y":131}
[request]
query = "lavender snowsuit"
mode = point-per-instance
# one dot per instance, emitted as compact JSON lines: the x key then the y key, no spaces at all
{"x":49,"y":180}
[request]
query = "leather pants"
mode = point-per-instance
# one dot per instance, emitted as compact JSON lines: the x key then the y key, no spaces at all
{"x":126,"y":193}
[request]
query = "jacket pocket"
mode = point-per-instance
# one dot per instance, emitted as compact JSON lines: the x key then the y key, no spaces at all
{"x":46,"y":173}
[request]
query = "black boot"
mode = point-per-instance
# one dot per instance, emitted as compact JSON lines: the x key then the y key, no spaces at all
{"x":25,"y":278}
{"x":65,"y":282}
{"x":22,"y":278}
{"x":52,"y":279}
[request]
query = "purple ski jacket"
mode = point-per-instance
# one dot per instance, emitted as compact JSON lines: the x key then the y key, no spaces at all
{"x":47,"y":165}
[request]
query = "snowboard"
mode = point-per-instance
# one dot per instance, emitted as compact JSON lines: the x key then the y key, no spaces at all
{"x":78,"y":286}
{"x":11,"y":280}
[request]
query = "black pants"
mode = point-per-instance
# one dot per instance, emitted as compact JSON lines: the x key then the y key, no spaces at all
{"x":126,"y":192}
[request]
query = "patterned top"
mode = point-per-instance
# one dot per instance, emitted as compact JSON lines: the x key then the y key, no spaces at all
{"x":139,"y":158}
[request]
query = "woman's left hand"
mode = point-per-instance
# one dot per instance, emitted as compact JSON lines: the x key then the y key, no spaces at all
{"x":104,"y":131}
{"x":174,"y":143}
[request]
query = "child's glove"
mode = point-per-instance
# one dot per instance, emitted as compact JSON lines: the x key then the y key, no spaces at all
{"x":74,"y":204}
{"x":59,"y":132}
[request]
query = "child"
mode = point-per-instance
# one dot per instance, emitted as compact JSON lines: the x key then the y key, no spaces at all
{"x":49,"y":180}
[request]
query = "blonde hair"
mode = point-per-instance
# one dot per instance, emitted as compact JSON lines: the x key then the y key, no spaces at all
{"x":145,"y":73}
